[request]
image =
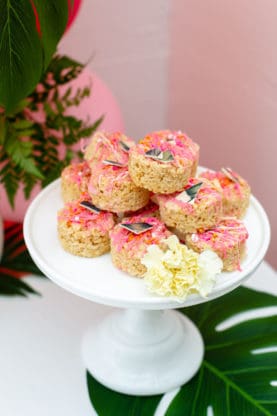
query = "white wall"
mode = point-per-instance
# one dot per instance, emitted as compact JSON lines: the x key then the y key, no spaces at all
{"x":129,"y":44}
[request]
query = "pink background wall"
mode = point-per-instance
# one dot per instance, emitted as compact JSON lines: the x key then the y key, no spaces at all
{"x":223,"y":88}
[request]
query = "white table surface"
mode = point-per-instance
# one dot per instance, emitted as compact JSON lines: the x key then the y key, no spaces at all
{"x":41,"y":372}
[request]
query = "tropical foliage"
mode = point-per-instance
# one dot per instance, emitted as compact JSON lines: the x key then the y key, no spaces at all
{"x":29,"y":33}
{"x":16,"y":262}
{"x":37,"y":137}
{"x":238,"y":372}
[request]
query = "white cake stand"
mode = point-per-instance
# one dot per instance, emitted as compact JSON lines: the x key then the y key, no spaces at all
{"x":145,"y":348}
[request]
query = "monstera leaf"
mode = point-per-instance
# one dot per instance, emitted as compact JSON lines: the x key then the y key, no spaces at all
{"x":107,"y":402}
{"x":239,"y":372}
{"x":16,"y":262}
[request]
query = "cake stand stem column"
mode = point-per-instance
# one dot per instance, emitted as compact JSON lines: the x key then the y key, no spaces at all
{"x":144,"y":327}
{"x":143,"y":352}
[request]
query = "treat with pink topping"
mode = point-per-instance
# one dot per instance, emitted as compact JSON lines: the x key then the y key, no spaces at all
{"x":235,"y":191}
{"x":74,"y":180}
{"x":111,"y":188}
{"x":198,"y":206}
{"x":163,"y":161}
{"x":227,"y":239}
{"x":110,"y":146}
{"x":130,"y":239}
{"x":83,"y":229}
{"x":150,"y":210}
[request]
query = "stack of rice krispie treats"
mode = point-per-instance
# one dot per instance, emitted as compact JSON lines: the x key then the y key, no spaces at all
{"x":125,"y":196}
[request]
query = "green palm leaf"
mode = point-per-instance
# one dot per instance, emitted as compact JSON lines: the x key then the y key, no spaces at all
{"x":239,"y":366}
{"x":15,"y":263}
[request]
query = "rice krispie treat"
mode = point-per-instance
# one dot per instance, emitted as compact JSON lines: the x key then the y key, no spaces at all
{"x":74,"y":180}
{"x":235,"y":191}
{"x":110,"y":146}
{"x":163,"y":161}
{"x":227,"y":239}
{"x":130,"y":239}
{"x":111,"y":188}
{"x":198,"y":206}
{"x":83,"y":229}
{"x":150,"y":210}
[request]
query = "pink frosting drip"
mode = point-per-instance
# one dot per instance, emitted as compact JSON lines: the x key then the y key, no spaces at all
{"x":78,"y":173}
{"x":207,"y":193}
{"x":181,"y":146}
{"x":137,"y":244}
{"x":74,"y":213}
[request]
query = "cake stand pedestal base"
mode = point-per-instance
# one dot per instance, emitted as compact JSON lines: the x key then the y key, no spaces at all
{"x":143,"y":352}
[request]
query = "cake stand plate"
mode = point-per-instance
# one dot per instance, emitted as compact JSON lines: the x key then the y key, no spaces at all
{"x":147,"y":348}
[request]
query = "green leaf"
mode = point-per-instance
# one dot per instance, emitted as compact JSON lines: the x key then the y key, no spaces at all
{"x":30,"y":154}
{"x":20,"y":152}
{"x":53,"y":16}
{"x":54,"y":173}
{"x":20,"y":106}
{"x":29,"y":182}
{"x":64,"y":69}
{"x":25,"y":133}
{"x":10,"y":286}
{"x":87,"y":131}
{"x":29,"y":166}
{"x":107,"y":402}
{"x":10,"y":180}
{"x":232,"y":381}
{"x":20,"y":52}
{"x":23,"y":124}
{"x":3,"y":129}
{"x":16,"y":262}
{"x":18,"y":149}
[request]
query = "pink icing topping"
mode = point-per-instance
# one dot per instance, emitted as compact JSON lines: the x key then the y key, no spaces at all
{"x":137,"y":244}
{"x":115,"y":175}
{"x":181,"y":146}
{"x":207,"y":193}
{"x":228,"y":186}
{"x":78,"y":173}
{"x":74,"y":213}
{"x":228,"y":233}
{"x":107,"y":146}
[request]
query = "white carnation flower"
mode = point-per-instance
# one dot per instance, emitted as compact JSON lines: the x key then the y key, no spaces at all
{"x":179,"y":271}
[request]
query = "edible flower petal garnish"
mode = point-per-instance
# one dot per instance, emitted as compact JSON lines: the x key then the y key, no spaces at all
{"x":179,"y":271}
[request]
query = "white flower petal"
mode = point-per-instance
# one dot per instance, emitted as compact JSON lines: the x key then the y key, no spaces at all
{"x":179,"y":271}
